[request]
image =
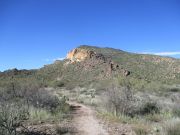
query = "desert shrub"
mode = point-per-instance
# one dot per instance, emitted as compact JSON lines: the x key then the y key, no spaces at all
{"x":149,"y":108}
{"x":58,"y":83}
{"x":41,"y":98}
{"x":174,"y":89}
{"x":33,"y":94}
{"x":11,"y":117}
{"x":119,"y":100}
{"x":41,"y":103}
{"x":25,"y":101}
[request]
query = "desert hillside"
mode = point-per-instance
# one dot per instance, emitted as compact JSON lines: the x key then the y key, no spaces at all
{"x":89,"y":65}
{"x":93,"y":91}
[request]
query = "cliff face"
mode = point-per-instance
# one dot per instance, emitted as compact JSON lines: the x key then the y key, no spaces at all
{"x":90,"y":60}
{"x":78,"y":55}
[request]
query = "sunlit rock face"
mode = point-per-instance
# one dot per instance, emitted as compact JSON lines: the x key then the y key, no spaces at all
{"x":90,"y":60}
{"x":78,"y":55}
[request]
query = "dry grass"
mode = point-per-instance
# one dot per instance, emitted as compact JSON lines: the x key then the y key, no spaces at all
{"x":172,"y":127}
{"x":141,"y":129}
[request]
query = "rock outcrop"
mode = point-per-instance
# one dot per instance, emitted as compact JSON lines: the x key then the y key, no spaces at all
{"x":88,"y":60}
{"x":78,"y":55}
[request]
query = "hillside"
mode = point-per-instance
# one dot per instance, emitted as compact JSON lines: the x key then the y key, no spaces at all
{"x":148,"y":67}
{"x":89,"y":65}
{"x":93,"y":91}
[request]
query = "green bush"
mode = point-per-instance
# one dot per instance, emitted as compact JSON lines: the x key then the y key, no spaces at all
{"x":58,"y":83}
{"x":149,"y":108}
{"x":174,"y":89}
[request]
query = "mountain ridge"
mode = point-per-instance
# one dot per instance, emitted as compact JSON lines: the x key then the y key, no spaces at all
{"x":87,"y":65}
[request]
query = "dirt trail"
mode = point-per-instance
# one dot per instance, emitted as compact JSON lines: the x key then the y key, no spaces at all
{"x":85,"y":120}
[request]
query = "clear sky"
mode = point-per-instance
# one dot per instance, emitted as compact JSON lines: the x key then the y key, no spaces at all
{"x":35,"y":32}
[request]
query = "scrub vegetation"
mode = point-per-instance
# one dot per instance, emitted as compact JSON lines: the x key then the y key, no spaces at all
{"x":141,"y":91}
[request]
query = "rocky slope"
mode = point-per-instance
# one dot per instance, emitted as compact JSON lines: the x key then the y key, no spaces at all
{"x":87,"y":65}
{"x":90,"y":59}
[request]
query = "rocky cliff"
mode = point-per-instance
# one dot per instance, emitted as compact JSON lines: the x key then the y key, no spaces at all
{"x":90,"y":60}
{"x":77,"y":55}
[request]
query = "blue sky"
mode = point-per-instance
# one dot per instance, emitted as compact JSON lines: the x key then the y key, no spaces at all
{"x":35,"y":32}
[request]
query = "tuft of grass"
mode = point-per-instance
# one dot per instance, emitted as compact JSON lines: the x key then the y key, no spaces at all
{"x":167,"y":115}
{"x":172,"y":127}
{"x":39,"y":114}
{"x":154,"y":117}
{"x":176,"y":112}
{"x":141,"y":129}
{"x":43,"y":115}
{"x":120,"y":118}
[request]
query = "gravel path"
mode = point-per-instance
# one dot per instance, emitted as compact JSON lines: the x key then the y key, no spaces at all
{"x":85,"y":120}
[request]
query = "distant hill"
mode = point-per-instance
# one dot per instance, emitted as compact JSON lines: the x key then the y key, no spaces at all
{"x":87,"y":65}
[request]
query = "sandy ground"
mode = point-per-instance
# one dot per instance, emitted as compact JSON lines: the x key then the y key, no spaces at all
{"x":85,"y":121}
